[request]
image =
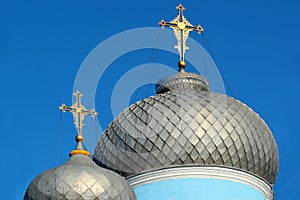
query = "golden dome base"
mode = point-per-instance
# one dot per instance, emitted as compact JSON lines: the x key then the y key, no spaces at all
{"x":80,"y":151}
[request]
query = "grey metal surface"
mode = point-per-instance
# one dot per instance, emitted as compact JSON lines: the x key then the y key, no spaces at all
{"x":183,"y":126}
{"x":79,"y":178}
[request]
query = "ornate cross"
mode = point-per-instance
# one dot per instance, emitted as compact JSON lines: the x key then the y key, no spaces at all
{"x":181,"y":27}
{"x":79,"y":111}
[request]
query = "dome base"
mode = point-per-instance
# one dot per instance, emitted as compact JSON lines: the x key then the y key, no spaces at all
{"x":227,"y":175}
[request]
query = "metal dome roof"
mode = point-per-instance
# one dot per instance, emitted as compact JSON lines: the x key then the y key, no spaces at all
{"x":188,"y":125}
{"x":79,"y":178}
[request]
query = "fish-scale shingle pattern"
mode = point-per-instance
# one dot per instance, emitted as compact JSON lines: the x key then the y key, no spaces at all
{"x":188,"y":127}
{"x":79,"y":178}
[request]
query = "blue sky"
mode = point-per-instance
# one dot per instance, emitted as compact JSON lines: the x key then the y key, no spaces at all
{"x":42,"y":45}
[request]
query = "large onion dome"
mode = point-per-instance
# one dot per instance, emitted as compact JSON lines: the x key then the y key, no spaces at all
{"x":79,"y":178}
{"x":185,"y":124}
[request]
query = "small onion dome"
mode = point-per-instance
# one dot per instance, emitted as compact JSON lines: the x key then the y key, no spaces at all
{"x":186,"y":124}
{"x":79,"y":178}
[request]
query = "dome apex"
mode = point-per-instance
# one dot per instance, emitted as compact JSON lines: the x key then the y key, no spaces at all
{"x":182,"y":80}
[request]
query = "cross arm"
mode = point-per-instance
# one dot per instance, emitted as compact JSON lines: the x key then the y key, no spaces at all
{"x":85,"y":111}
{"x":163,"y":23}
{"x":64,"y":108}
{"x":198,"y":28}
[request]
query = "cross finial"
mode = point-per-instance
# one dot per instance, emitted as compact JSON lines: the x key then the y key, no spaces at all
{"x":79,"y":112}
{"x":181,"y":27}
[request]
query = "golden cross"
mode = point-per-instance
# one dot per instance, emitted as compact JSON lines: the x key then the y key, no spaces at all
{"x":181,"y":27}
{"x":79,"y":111}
